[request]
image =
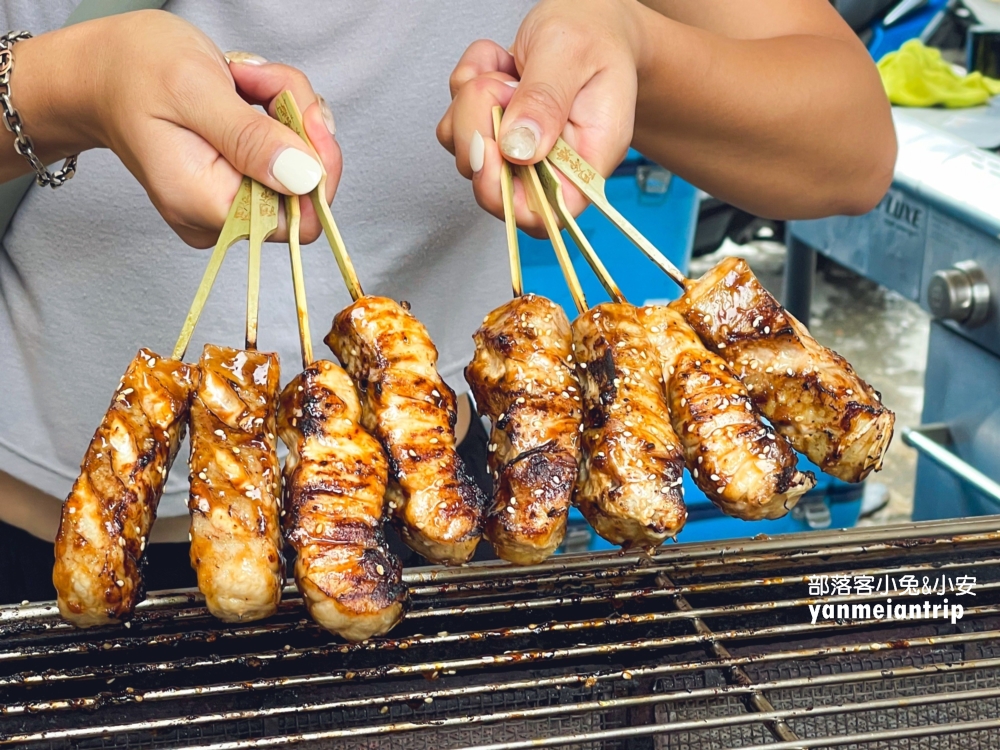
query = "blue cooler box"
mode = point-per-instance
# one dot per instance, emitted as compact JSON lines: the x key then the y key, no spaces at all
{"x":665,"y":209}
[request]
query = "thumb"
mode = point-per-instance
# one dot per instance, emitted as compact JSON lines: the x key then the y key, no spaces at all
{"x":540,"y":107}
{"x":257,"y":145}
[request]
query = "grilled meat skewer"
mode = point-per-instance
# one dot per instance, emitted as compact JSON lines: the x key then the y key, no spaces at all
{"x":436,"y":505}
{"x":523,"y":379}
{"x":235,"y":484}
{"x":810,"y":394}
{"x":735,"y":458}
{"x":109,"y":512}
{"x":335,"y":477}
{"x":629,"y":486}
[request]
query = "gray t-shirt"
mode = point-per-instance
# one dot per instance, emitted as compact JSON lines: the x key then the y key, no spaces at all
{"x":90,"y":272}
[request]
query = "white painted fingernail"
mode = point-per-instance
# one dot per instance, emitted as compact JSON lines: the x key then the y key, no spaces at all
{"x":327,"y":115}
{"x":246,"y":58}
{"x":512,"y":84}
{"x":297,"y":171}
{"x":477,"y":152}
{"x":521,"y":141}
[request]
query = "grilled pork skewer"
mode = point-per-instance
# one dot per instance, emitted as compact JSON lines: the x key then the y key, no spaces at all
{"x":335,"y":477}
{"x":109,"y":512}
{"x":809,"y":393}
{"x":629,"y":486}
{"x":437,"y":507}
{"x":235,"y":484}
{"x":735,"y":458}
{"x":523,"y":380}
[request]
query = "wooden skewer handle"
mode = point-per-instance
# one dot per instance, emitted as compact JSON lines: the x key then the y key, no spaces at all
{"x":589,"y":182}
{"x":509,"y":219}
{"x":538,"y":203}
{"x":236,"y":228}
{"x":263,"y":223}
{"x":553,"y":190}
{"x":298,"y":281}
{"x":289,"y":114}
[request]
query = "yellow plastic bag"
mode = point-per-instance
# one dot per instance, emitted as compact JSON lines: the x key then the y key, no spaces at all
{"x":916,"y":76}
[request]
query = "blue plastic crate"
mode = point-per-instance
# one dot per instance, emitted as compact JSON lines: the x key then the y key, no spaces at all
{"x":665,"y":211}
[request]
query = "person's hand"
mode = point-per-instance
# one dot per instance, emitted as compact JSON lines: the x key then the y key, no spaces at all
{"x":162,"y":96}
{"x":571,"y":71}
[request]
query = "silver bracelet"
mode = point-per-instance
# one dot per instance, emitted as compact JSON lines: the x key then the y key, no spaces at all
{"x":12,"y":120}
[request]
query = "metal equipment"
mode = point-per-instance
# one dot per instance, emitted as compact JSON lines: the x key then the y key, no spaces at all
{"x":698,"y":646}
{"x":935,"y":239}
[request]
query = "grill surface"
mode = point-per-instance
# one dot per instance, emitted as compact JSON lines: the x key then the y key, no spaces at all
{"x":699,"y":646}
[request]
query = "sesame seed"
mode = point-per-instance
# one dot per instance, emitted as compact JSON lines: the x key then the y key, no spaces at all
{"x":511,"y":510}
{"x":767,"y":329}
{"x":769,"y":369}
{"x":714,"y":477}
{"x":120,"y":583}
{"x":695,"y":473}
{"x":220,"y":433}
{"x":236,"y":450}
{"x":380,"y":569}
{"x":789,"y":371}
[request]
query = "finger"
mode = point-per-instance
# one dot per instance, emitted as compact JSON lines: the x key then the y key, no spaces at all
{"x":482,"y":56}
{"x":471,"y":112}
{"x":486,"y":187}
{"x":540,"y":107}
{"x":263,"y":83}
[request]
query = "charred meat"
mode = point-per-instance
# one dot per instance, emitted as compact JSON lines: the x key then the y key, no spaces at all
{"x":335,"y":478}
{"x":109,"y":512}
{"x":235,"y":484}
{"x":523,"y":379}
{"x":436,"y":505}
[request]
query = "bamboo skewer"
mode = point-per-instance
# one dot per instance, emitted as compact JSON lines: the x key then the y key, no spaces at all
{"x":589,"y":182}
{"x":538,"y":203}
{"x":288,"y":114}
{"x":236,"y":228}
{"x":553,"y":190}
{"x":507,"y":191}
{"x":298,"y":281}
{"x":263,"y":223}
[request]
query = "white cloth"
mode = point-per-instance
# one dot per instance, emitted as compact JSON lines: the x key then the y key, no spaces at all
{"x":90,"y":272}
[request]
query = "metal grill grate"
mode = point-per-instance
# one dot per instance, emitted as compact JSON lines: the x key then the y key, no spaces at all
{"x":699,"y":646}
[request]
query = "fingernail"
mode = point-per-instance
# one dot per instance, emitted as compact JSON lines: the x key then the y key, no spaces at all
{"x":247,"y":58}
{"x":477,"y":152}
{"x":326,"y":114}
{"x":512,"y":84}
{"x":520,"y":142}
{"x":297,"y":171}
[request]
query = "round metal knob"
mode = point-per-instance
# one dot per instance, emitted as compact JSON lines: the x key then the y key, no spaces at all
{"x":959,"y":293}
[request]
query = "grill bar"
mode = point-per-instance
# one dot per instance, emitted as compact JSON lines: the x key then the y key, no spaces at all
{"x":438,"y":666}
{"x":772,"y":716}
{"x":736,"y":674}
{"x":427,"y":581}
{"x":615,"y":734}
{"x":422,"y":696}
{"x":480,"y":609}
{"x":612,"y":655}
